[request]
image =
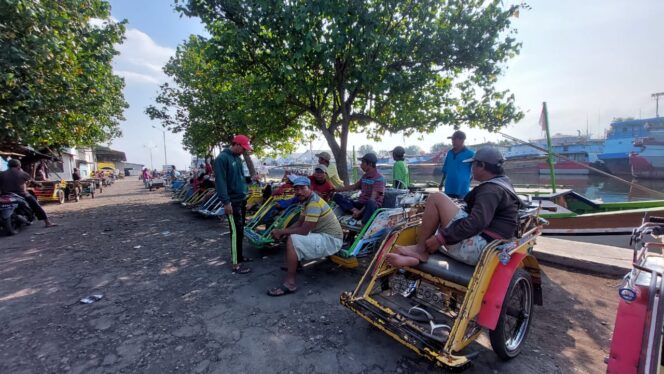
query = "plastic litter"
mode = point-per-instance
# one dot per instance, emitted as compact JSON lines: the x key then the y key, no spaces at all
{"x":137,"y":246}
{"x":91,"y":299}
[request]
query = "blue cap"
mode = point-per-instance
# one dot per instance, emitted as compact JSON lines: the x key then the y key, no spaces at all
{"x":299,"y":180}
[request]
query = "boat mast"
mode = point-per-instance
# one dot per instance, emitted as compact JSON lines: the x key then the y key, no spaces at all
{"x":545,"y":118}
{"x":656,"y":97}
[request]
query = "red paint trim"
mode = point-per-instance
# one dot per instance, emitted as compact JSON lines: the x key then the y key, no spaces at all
{"x":495,"y":294}
{"x":627,"y":341}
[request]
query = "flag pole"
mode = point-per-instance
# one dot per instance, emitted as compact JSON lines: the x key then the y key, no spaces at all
{"x":545,"y":115}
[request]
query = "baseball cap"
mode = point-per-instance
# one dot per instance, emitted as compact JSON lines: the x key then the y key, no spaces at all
{"x":243,"y":140}
{"x":458,"y":134}
{"x":490,"y":155}
{"x":369,"y":157}
{"x":321,"y":167}
{"x":324,"y":155}
{"x":299,"y":180}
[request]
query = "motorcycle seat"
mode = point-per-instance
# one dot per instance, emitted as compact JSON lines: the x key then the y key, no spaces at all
{"x":446,"y":267}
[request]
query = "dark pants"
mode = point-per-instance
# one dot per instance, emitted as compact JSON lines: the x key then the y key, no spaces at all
{"x":347,"y":204}
{"x":236,"y":226}
{"x":34,"y":205}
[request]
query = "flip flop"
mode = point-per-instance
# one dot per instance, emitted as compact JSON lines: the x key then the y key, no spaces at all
{"x":284,"y":291}
{"x":241,"y":270}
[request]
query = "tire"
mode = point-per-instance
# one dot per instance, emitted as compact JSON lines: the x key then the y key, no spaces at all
{"x":507,"y":340}
{"x":61,"y":196}
{"x":9,"y":227}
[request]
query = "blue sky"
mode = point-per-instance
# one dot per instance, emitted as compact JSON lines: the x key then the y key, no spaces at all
{"x":590,"y":61}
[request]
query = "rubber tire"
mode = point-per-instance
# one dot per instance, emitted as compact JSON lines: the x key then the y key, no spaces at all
{"x":496,"y":336}
{"x":8,"y":227}
{"x":61,"y":196}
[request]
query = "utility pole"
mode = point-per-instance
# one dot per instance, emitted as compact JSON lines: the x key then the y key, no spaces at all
{"x":656,"y":96}
{"x":163,"y":132}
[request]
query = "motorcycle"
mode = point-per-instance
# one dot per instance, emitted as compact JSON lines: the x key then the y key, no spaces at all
{"x":14,"y":212}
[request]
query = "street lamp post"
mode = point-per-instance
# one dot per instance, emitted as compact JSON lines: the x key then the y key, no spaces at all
{"x":149,"y":147}
{"x":163,"y":132}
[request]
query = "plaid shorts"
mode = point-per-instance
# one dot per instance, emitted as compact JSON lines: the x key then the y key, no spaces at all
{"x":468,"y":250}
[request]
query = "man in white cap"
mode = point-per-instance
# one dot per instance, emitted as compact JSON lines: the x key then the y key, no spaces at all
{"x":316,"y":234}
{"x":332,"y":173}
{"x":491,"y":213}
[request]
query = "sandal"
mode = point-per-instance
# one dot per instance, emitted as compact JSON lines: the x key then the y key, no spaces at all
{"x":280,"y":291}
{"x":241,"y":270}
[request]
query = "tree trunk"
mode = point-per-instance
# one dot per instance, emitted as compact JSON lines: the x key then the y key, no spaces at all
{"x":250,"y":163}
{"x":338,"y":151}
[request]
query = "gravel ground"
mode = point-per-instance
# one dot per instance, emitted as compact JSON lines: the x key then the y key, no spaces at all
{"x":170,"y":303}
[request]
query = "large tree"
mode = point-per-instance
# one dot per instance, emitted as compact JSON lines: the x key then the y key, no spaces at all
{"x":57,"y":86}
{"x":210,"y":103}
{"x":371,"y":66}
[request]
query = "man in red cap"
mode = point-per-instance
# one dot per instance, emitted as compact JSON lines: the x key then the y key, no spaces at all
{"x":232,"y":190}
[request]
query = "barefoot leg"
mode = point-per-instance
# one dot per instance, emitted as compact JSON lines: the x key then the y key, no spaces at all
{"x":438,"y":212}
{"x":400,"y":261}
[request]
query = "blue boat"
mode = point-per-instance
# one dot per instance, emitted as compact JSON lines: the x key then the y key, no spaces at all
{"x":619,"y":143}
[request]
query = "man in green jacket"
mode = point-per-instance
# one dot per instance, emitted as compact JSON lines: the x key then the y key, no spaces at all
{"x":400,"y":174}
{"x":232,"y":190}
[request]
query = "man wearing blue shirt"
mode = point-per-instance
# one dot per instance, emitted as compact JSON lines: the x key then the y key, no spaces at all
{"x":456,"y":173}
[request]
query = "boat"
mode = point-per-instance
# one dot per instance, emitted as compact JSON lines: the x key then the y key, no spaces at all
{"x":619,"y":143}
{"x":649,"y":162}
{"x":570,"y":213}
{"x":579,"y":152}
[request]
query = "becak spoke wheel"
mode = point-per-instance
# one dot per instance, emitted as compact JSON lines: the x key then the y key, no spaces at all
{"x":515,"y":317}
{"x":61,"y":196}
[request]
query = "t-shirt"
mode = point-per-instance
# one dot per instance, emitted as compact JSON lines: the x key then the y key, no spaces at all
{"x":13,"y":180}
{"x":400,"y":175}
{"x":457,"y":173}
{"x":316,"y":210}
{"x":490,"y":207}
{"x":323,"y":190}
{"x":333,"y":176}
{"x":372,"y":181}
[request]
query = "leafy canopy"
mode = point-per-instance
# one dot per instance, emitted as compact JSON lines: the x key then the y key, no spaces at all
{"x":210,"y":103}
{"x":371,"y":66}
{"x":56,"y":82}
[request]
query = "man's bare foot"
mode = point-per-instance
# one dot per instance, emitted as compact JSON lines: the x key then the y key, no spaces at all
{"x":50,"y":224}
{"x":412,"y":251}
{"x":399,"y":261}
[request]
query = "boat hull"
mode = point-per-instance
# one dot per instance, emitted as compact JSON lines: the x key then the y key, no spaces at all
{"x":648,"y":164}
{"x":564,"y":168}
{"x":605,"y":223}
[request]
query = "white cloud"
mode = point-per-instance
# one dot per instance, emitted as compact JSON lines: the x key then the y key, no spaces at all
{"x":141,"y":59}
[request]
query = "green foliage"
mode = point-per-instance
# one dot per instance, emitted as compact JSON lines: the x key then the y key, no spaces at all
{"x":413,"y":150}
{"x":56,"y":82}
{"x":210,"y":103}
{"x":371,"y":66}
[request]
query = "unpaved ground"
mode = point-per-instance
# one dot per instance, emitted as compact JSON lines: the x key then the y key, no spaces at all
{"x":172,"y":304}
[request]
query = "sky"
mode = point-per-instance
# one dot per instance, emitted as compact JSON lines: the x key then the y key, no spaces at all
{"x":591,"y":61}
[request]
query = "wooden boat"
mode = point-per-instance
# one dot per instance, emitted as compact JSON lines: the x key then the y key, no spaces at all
{"x":570,"y":213}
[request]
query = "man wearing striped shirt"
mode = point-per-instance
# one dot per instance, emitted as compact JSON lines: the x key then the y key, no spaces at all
{"x":316,"y":234}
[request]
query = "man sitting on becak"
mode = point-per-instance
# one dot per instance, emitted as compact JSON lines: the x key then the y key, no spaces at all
{"x":491,"y":213}
{"x":316,"y":234}
{"x":372,"y":185}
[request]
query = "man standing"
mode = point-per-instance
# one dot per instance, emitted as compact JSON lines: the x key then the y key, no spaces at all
{"x":232,"y":190}
{"x":316,"y":234}
{"x":372,"y":186}
{"x":456,"y":173}
{"x":332,"y":173}
{"x":14,"y":180}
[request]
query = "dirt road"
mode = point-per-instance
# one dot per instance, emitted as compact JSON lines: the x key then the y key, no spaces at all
{"x":170,"y":303}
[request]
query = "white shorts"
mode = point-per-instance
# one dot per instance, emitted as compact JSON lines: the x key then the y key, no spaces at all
{"x":315,"y":245}
{"x":468,"y":250}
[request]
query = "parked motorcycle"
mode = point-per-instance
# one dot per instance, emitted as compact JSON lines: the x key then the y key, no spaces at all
{"x":14,"y":212}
